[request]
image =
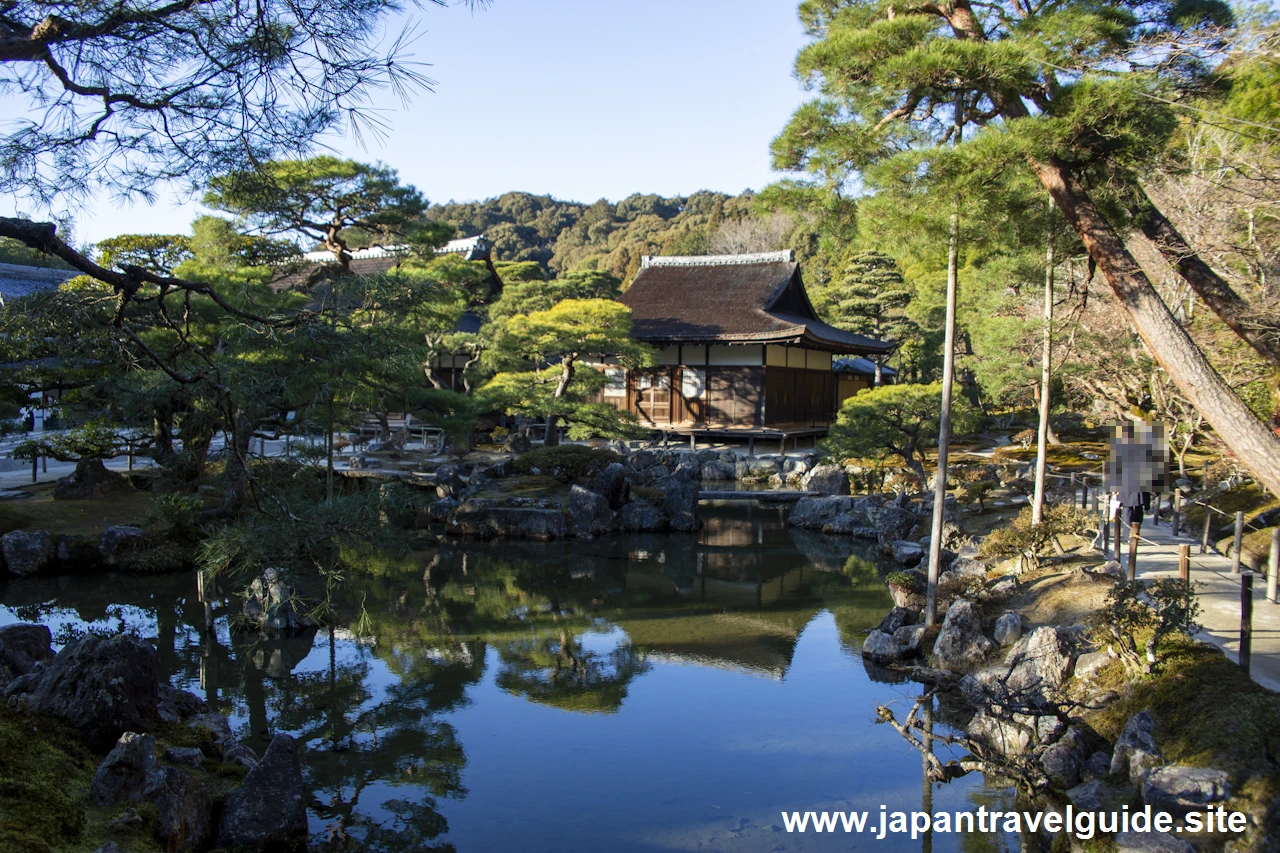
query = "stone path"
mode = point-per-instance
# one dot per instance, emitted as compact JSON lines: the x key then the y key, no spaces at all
{"x":1219,"y":592}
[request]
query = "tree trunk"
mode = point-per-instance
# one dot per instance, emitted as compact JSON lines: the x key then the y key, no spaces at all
{"x":879,"y":372}
{"x":1046,"y":374}
{"x":553,"y":431}
{"x":1207,"y":284}
{"x":944,"y":421}
{"x":1248,"y":438}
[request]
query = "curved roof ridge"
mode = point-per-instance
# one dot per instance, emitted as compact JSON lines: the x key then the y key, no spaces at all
{"x":785,"y":256}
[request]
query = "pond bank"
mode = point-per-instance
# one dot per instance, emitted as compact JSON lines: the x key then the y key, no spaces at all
{"x":1043,"y":700}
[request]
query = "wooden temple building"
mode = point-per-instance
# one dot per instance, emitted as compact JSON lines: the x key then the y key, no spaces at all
{"x":740,"y":349}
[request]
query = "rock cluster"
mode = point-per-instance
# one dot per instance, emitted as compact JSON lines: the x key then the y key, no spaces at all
{"x":37,"y":552}
{"x":108,"y":689}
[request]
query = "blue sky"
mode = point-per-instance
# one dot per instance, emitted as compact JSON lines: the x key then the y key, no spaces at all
{"x":581,"y":99}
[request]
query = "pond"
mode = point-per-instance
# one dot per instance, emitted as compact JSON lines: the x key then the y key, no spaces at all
{"x":638,"y":693}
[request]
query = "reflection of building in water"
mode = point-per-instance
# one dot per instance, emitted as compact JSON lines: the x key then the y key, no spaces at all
{"x":743,"y":562}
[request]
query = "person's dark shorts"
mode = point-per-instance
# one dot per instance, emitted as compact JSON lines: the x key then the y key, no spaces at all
{"x":1131,"y":515}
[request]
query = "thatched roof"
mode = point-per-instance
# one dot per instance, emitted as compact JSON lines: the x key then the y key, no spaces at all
{"x":735,"y":299}
{"x":18,"y":280}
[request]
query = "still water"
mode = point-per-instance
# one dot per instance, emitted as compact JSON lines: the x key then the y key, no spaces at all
{"x":641,"y":693}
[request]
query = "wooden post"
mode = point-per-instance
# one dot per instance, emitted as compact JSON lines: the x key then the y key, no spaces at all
{"x":131,"y":456}
{"x":1117,"y":529}
{"x":1177,"y":512}
{"x":1184,"y":563}
{"x":1093,"y":499}
{"x":1133,"y":552}
{"x":1106,"y":538}
{"x":1246,"y":619}
{"x":1204,"y":537}
{"x":1273,"y":566}
{"x":751,"y":445}
{"x":1073,"y":488}
{"x":204,"y":595}
{"x":693,"y":441}
{"x":1237,"y":543}
{"x":35,"y":467}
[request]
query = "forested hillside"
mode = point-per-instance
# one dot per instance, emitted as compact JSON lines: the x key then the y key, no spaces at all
{"x":568,"y":235}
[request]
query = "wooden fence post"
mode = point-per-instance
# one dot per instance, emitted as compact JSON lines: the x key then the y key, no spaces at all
{"x":1184,"y":563}
{"x":1246,"y":619}
{"x":35,"y":467}
{"x":1237,"y":543}
{"x":1133,"y":552}
{"x":1204,"y":537}
{"x":1093,"y":499}
{"x":1273,"y":565}
{"x":1177,"y":511}
{"x":1117,"y":529}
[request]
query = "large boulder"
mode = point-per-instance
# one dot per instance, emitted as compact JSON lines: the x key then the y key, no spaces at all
{"x":1040,"y":662}
{"x":28,"y":552}
{"x":813,"y":513}
{"x":449,"y":482}
{"x":1007,"y":629}
{"x":827,"y":480}
{"x":1088,"y":665}
{"x":611,"y":483}
{"x":681,"y":494}
{"x":104,"y":686}
{"x":642,"y":517}
{"x":881,"y":647}
{"x":896,"y":618}
{"x":895,"y":524}
{"x":22,"y":646}
{"x":118,"y":546}
{"x":126,"y":771}
{"x":907,"y":553}
{"x":1064,"y":760}
{"x":960,"y":643}
{"x":268,"y":812}
{"x":479,"y":520}
{"x":589,"y":512}
{"x":1178,"y":788}
{"x":185,"y":808}
{"x":1136,"y":750}
{"x":1013,"y":734}
{"x":718,"y":469}
{"x":90,"y":479}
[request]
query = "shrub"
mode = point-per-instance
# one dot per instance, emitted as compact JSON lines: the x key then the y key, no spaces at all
{"x":1140,"y":616}
{"x":570,"y":462}
{"x":1029,"y":541}
{"x":976,"y":492}
{"x":909,"y":581}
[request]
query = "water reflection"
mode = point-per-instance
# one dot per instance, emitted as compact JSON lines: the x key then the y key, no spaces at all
{"x":636,"y":693}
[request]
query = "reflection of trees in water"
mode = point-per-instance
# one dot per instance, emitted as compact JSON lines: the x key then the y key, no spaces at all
{"x":553,"y":668}
{"x":369,"y":707}
{"x":361,"y":738}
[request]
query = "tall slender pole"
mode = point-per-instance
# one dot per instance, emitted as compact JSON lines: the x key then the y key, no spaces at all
{"x":944,"y":419}
{"x":1237,"y":544}
{"x":1273,"y":565}
{"x":1046,"y":361}
{"x":1246,"y":620}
